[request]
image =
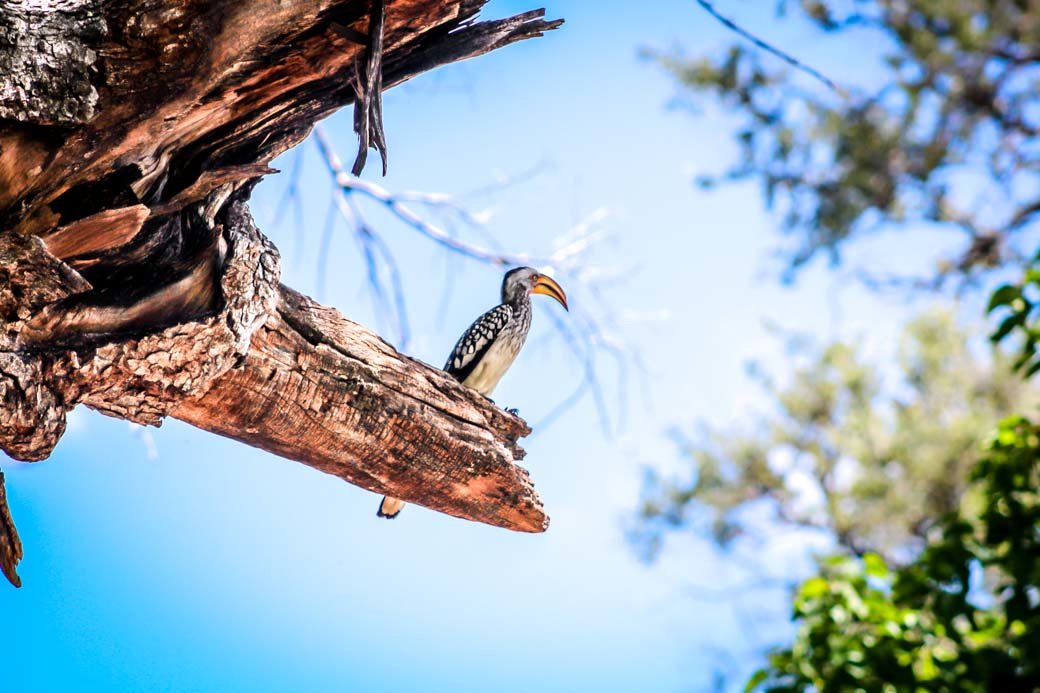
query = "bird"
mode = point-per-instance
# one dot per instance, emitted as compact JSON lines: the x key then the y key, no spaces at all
{"x":487,"y":349}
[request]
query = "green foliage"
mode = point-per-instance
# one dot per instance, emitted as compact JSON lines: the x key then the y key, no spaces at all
{"x":1019,"y":305}
{"x":956,"y":99}
{"x":937,"y":581}
{"x":964,"y":616}
{"x":869,"y":465}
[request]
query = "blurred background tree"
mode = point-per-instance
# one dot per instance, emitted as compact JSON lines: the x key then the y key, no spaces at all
{"x":935,"y":577}
{"x":871,"y":466}
{"x":944,"y":137}
{"x":964,"y":616}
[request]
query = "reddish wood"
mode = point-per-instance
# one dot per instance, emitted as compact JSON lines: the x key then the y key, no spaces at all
{"x":105,"y":230}
{"x":323,"y":390}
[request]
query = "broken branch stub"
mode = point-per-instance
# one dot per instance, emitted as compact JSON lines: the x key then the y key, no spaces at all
{"x":10,"y":544}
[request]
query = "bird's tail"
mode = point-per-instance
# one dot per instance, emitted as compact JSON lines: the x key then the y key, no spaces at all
{"x":390,"y":507}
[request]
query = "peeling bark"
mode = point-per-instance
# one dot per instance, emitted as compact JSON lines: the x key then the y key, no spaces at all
{"x":10,"y":544}
{"x":133,"y":280}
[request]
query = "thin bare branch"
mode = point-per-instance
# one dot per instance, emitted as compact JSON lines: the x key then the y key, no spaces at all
{"x":769,"y":48}
{"x":591,"y":329}
{"x":507,"y":181}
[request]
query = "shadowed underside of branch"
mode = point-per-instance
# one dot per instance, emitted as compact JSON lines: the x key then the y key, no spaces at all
{"x":135,"y":281}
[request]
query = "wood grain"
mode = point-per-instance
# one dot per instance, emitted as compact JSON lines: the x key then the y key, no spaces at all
{"x":318,"y":388}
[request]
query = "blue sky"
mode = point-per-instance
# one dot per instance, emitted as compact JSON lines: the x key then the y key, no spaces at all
{"x":175,"y":560}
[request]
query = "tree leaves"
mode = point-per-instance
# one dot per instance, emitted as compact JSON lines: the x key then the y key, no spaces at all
{"x":865,"y":626}
{"x":844,"y":453}
{"x":965,"y":614}
{"x":1003,"y":296}
{"x":1019,"y":317}
{"x":952,"y":95}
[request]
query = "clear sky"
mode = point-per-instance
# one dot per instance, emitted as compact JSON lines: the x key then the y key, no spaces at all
{"x":173,"y":560}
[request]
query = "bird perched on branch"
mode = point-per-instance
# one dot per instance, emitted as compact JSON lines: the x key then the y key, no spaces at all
{"x":488,"y":348}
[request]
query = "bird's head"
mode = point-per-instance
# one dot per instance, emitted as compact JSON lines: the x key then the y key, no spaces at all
{"x":525,"y":280}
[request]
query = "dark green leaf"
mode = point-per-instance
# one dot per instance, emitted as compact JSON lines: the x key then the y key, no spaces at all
{"x":1003,"y":296}
{"x":1009,"y":323}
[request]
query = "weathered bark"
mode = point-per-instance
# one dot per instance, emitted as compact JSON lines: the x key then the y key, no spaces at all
{"x":370,"y":416}
{"x":10,"y":544}
{"x":133,"y":280}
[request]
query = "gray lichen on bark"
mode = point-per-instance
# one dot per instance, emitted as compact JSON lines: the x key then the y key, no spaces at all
{"x":45,"y":62}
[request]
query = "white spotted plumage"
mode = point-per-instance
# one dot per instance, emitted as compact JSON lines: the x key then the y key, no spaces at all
{"x":487,"y":349}
{"x":473,"y":340}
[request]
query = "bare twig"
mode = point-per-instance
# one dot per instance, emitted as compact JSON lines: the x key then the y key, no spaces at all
{"x":507,"y":181}
{"x":769,"y":48}
{"x":592,"y":327}
{"x":565,"y":257}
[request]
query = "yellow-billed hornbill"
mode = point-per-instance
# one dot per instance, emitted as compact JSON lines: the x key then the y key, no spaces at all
{"x":487,"y":349}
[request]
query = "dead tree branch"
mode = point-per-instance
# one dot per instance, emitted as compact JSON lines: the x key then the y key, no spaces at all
{"x":136,"y":282}
{"x":370,"y":416}
{"x":592,"y":328}
{"x":10,"y":544}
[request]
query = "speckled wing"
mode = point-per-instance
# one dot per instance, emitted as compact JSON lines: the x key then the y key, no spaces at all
{"x":475,"y":341}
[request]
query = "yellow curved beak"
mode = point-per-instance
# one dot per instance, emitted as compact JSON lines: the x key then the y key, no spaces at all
{"x":549,"y":287}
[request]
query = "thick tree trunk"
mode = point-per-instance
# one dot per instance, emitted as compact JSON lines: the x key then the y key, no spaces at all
{"x":133,"y":280}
